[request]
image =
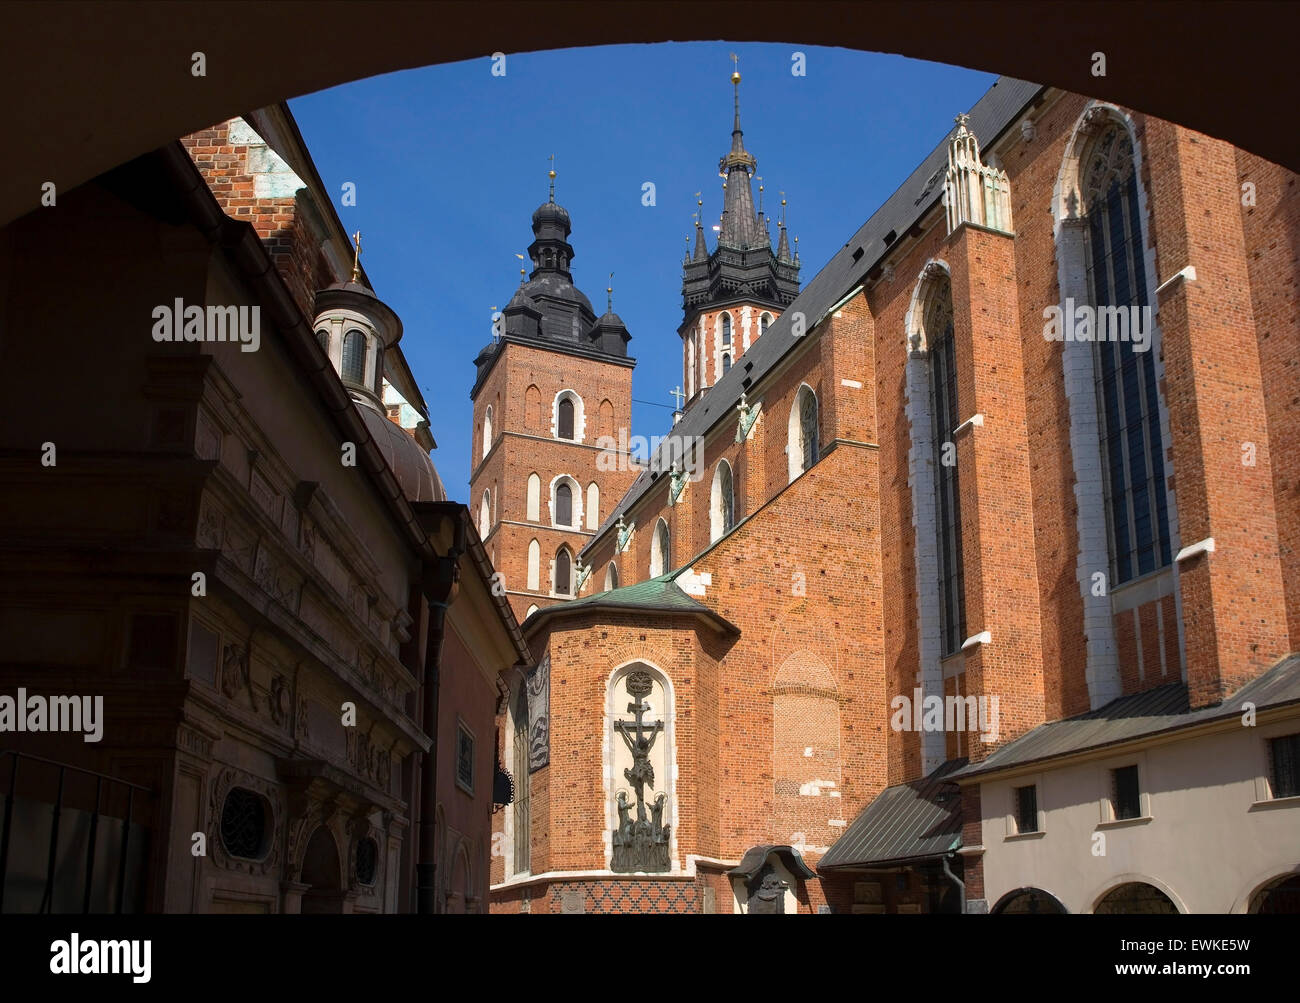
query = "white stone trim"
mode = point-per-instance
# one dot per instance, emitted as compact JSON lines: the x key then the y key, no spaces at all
{"x":925,"y":520}
{"x":579,"y":416}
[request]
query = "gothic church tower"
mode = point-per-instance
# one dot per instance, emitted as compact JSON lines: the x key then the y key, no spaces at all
{"x":730,"y":297}
{"x":555,"y":381}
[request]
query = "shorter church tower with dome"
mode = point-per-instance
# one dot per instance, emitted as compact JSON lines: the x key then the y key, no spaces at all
{"x":552,"y":393}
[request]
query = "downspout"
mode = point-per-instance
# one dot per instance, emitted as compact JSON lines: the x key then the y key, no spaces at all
{"x":441,"y":582}
{"x":961,"y":886}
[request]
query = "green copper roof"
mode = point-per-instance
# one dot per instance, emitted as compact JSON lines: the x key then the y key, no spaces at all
{"x":654,"y":595}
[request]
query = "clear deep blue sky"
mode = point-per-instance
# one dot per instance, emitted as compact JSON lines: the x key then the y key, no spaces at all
{"x":450,"y":162}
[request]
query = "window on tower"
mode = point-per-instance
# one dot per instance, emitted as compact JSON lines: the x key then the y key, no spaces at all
{"x":726,"y":329}
{"x":563,"y":505}
{"x":354,"y":356}
{"x":726,"y":363}
{"x":563,"y":569}
{"x":564,"y":418}
{"x":763,"y":323}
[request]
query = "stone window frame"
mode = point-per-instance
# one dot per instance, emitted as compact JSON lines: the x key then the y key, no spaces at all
{"x":1078,"y":362}
{"x":794,"y":445}
{"x":660,"y":551}
{"x":576,"y":499}
{"x":579,"y":416}
{"x":722,"y":520}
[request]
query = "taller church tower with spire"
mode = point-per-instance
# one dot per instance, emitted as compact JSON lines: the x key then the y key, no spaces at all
{"x":731,"y":296}
{"x":552,"y":414}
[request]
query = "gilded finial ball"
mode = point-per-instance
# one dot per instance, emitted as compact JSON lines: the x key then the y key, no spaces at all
{"x":551,"y":175}
{"x":735,"y":77}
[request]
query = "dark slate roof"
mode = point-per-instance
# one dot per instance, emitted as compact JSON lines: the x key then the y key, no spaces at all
{"x":906,"y":822}
{"x":1140,"y":715}
{"x":992,"y":114}
{"x":654,"y":595}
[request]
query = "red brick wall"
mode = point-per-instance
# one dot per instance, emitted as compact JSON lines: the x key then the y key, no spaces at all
{"x":284,"y":231}
{"x":521,"y":447}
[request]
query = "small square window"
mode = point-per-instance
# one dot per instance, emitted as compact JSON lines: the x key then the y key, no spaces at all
{"x":464,"y":759}
{"x":1284,"y":758}
{"x":1126,"y":795}
{"x":1027,"y":809}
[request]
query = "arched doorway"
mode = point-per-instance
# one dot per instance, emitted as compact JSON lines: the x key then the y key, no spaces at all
{"x":1136,"y":898}
{"x":1029,"y":902}
{"x":1280,"y":897}
{"x":321,"y":872}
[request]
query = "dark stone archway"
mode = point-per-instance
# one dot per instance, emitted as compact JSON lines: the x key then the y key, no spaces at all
{"x":321,"y":872}
{"x":88,"y":121}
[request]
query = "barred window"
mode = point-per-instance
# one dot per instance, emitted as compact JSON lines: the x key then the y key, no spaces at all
{"x":1027,"y":809}
{"x":1126,"y":794}
{"x":943,"y":408}
{"x":1133,"y":453}
{"x":1284,"y":754}
{"x":464,"y":758}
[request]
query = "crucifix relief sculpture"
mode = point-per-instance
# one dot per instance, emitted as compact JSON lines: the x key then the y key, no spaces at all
{"x":640,"y":844}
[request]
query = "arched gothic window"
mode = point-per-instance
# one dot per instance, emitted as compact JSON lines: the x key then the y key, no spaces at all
{"x":802,"y":436}
{"x":722,"y":508}
{"x":323,"y":336}
{"x":533,"y":510}
{"x":943,"y":409}
{"x":1132,"y":449}
{"x":534,"y":566}
{"x":564,"y":418}
{"x":593,"y":505}
{"x":484,"y":516}
{"x":611,"y":576}
{"x":726,"y":363}
{"x":354,"y":357}
{"x":563,"y":504}
{"x":519,"y":764}
{"x":487,"y":430}
{"x":726,"y":330}
{"x":763,"y":321}
{"x":660,"y":550}
{"x":563,"y":572}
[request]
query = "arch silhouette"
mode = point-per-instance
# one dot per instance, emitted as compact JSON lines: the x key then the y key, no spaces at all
{"x":63,"y":45}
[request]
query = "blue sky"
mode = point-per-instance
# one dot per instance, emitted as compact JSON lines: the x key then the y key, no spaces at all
{"x":450,"y":162}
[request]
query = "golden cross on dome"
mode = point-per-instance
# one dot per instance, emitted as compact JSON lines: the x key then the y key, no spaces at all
{"x":356,"y":257}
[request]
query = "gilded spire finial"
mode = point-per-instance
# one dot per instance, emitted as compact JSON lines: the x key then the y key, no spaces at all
{"x":522,"y":271}
{"x":356,"y":257}
{"x":551,"y":175}
{"x":760,"y":194}
{"x":782,"y":223}
{"x":609,"y":294}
